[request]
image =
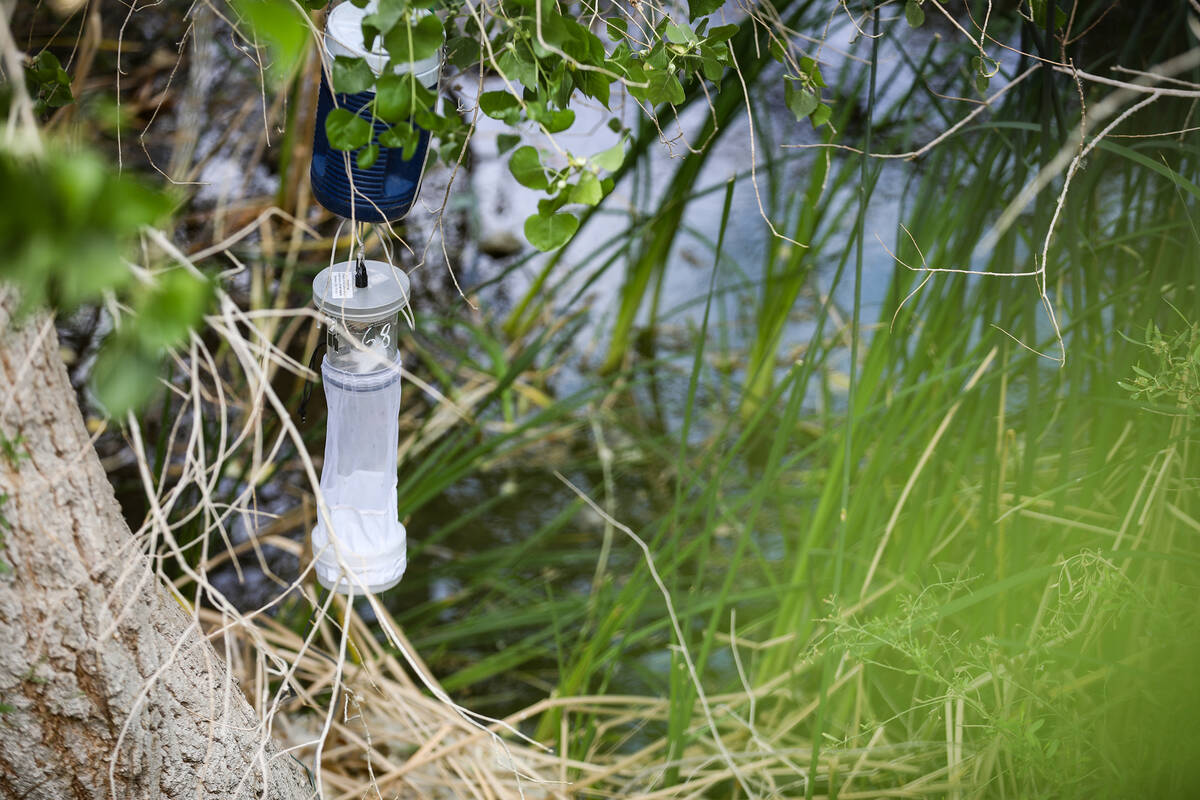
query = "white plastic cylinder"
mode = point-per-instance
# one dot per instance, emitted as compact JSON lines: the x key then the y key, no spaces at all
{"x":360,"y":543}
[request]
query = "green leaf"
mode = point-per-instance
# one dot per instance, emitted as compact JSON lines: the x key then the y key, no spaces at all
{"x":402,"y":137}
{"x":721,"y":33}
{"x":518,"y":65}
{"x":777,"y":50}
{"x":712,"y":68}
{"x":281,"y":25}
{"x":507,"y":141}
{"x":595,"y":85}
{"x":1038,"y":7}
{"x":526,"y":167}
{"x":681,"y":34}
{"x":612,"y":158}
{"x":415,"y":40}
{"x":346,"y":130}
{"x":587,"y":191}
{"x":555,"y":120}
{"x":617,"y":28}
{"x":89,"y":274}
{"x":398,"y":97}
{"x":914,"y":14}
{"x":352,"y":75}
{"x":379,"y":23}
{"x":801,"y":101}
{"x":548,"y":205}
{"x":821,"y":115}
{"x":664,"y":88}
{"x":365,"y":158}
{"x":463,"y":52}
{"x":812,"y":71}
{"x":124,"y":375}
{"x":171,"y":308}
{"x":549,"y":232}
{"x":500,"y":105}
{"x":50,"y":81}
{"x":702,"y":8}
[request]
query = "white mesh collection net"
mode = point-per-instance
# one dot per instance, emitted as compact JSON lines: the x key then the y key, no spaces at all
{"x":361,"y":544}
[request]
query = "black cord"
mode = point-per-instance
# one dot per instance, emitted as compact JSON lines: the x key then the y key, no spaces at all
{"x":312,"y":365}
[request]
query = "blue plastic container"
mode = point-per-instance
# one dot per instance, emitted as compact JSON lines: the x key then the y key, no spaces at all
{"x":385,"y":191}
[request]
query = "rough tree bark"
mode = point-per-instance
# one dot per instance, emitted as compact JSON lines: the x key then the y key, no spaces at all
{"x":107,"y":688}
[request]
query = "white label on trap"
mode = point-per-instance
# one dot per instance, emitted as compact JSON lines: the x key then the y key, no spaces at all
{"x":341,"y":285}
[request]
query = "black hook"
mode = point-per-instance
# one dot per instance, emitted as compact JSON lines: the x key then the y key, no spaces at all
{"x":312,"y":362}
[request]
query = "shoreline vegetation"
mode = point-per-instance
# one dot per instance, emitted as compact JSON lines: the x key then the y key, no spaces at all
{"x":864,"y":512}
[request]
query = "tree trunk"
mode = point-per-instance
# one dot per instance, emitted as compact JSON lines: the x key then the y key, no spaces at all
{"x":108,"y":689}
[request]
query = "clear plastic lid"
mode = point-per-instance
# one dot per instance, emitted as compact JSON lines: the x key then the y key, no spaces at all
{"x":335,"y":291}
{"x":362,"y":322}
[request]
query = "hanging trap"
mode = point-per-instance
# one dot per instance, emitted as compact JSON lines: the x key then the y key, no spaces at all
{"x":360,"y":545}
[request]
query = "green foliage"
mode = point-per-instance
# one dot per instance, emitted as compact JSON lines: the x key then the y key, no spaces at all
{"x":526,"y":166}
{"x":366,"y":157}
{"x":68,"y":238}
{"x":352,"y":75}
{"x":399,"y":97}
{"x":281,"y":27}
{"x":550,"y":231}
{"x":1036,"y":12}
{"x":802,"y":93}
{"x":167,"y":310}
{"x":48,"y":82}
{"x":128,"y":368}
{"x":546,"y":49}
{"x":983,"y":69}
{"x":66,"y":223}
{"x":414,"y":38}
{"x":913,"y":13}
{"x":346,"y":130}
{"x":1175,"y":374}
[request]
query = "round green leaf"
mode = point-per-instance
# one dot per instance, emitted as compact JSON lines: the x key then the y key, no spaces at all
{"x":914,"y":14}
{"x":526,"y":167}
{"x":664,"y":88}
{"x":171,"y":308}
{"x":800,"y":100}
{"x":366,"y":157}
{"x":587,"y":191}
{"x":549,"y":232}
{"x":345,"y":130}
{"x":282,"y":26}
{"x":612,"y":158}
{"x":124,"y":375}
{"x":402,"y":137}
{"x":351,"y":75}
{"x":415,"y":40}
{"x":394,"y":97}
{"x":500,"y":105}
{"x":507,"y":141}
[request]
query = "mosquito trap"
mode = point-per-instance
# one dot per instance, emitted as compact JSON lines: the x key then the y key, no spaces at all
{"x":385,"y":190}
{"x":359,"y":543}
